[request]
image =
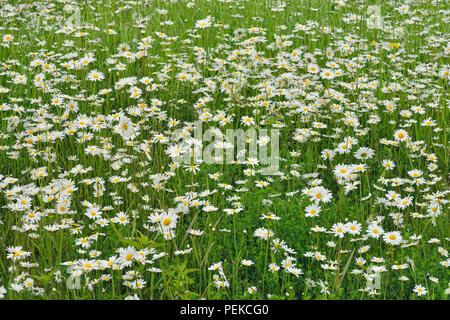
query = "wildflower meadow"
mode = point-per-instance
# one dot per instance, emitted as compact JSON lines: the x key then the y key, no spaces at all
{"x":224,"y":149}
